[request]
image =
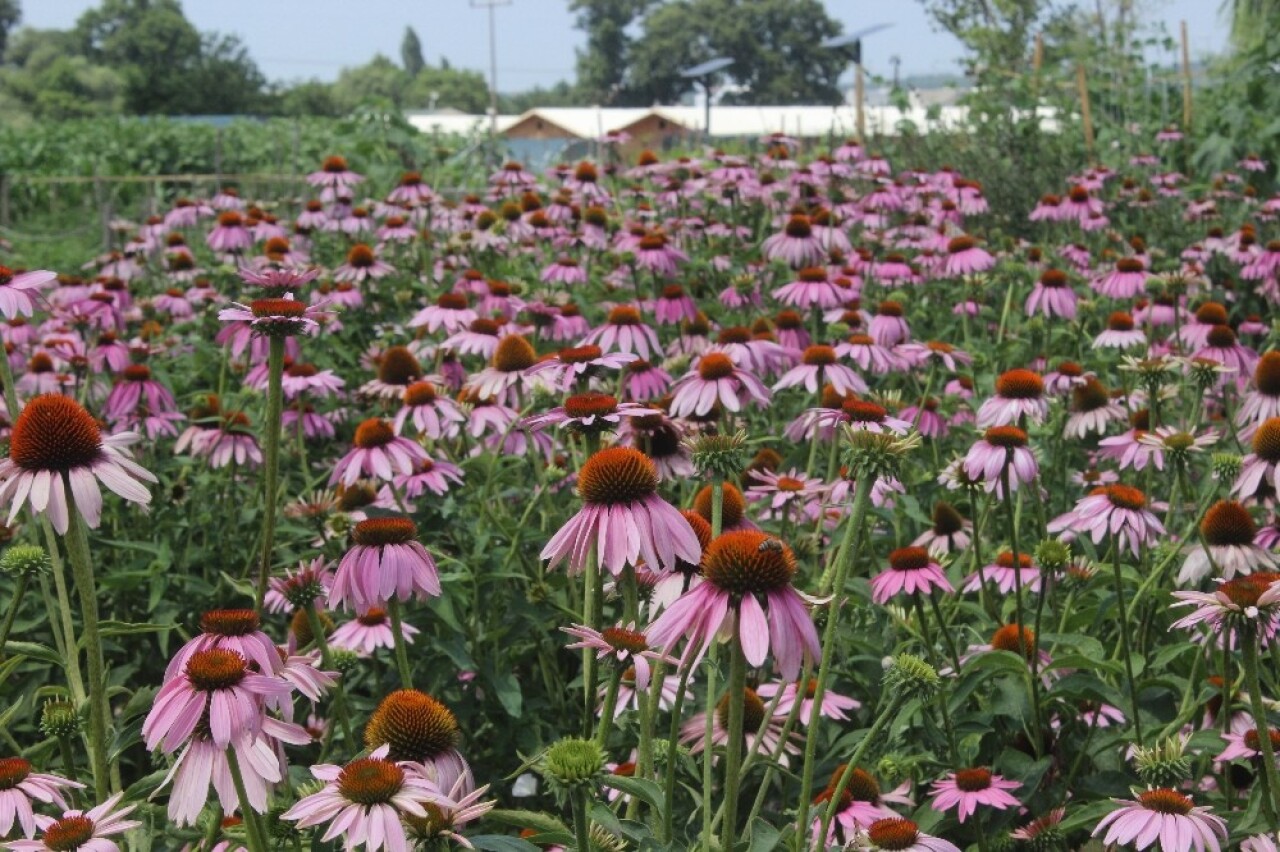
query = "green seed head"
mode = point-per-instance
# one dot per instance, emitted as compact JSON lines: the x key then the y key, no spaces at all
{"x":1164,"y":764}
{"x":24,"y":560}
{"x":58,"y":718}
{"x":911,"y":676}
{"x":1053,"y":555}
{"x":573,"y":762}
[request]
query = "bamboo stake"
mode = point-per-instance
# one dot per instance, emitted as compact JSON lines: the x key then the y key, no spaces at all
{"x":1085,"y":114}
{"x":1186,"y":80}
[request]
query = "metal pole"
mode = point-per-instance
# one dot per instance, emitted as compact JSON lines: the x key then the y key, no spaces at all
{"x":706,"y":111}
{"x":859,"y":95}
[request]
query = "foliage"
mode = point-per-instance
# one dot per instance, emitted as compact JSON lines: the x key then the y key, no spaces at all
{"x":411,"y":53}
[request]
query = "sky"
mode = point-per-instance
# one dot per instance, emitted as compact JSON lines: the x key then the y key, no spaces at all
{"x":302,"y":39}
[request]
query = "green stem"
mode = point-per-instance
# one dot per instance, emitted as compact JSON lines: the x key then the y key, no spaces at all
{"x":19,"y":590}
{"x":1270,"y":779}
{"x":339,"y":693}
{"x":271,"y":451}
{"x":1033,"y":682}
{"x":673,"y":740}
{"x":68,"y":765}
{"x":592,"y":592}
{"x":708,"y":750}
{"x":71,"y":652}
{"x":581,"y":822}
{"x":77,"y":541}
{"x":252,"y":828}
{"x":877,"y":727}
{"x":402,"y":654}
{"x":733,"y":749}
{"x":844,"y":561}
{"x":607,"y":710}
{"x":1124,"y":642}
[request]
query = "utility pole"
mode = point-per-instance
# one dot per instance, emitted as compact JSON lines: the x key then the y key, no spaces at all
{"x":490,"y":5}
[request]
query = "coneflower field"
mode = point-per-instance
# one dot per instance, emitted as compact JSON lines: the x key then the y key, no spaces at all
{"x":724,"y":502}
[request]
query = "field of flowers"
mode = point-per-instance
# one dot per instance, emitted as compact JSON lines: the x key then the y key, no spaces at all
{"x":770,"y":502}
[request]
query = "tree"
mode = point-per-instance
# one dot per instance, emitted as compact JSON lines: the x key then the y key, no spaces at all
{"x":311,"y":97}
{"x":603,"y":64}
{"x":773,"y":44}
{"x":44,"y":78}
{"x":151,"y":43}
{"x":411,"y":53}
{"x":380,"y":79}
{"x":453,"y":88}
{"x":10,"y":15}
{"x":1251,"y":20}
{"x":224,"y":79}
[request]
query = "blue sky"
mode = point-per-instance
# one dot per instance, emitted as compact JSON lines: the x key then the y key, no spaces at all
{"x":300,"y":39}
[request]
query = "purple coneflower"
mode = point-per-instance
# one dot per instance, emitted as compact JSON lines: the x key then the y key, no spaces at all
{"x":89,"y":830}
{"x":903,"y":835}
{"x":1117,"y":510}
{"x":386,"y":561}
{"x":796,"y":244}
{"x":998,"y":448}
{"x":1166,"y":817}
{"x":740,"y":568}
{"x":912,"y":570}
{"x":622,"y":518}
{"x":378,"y":452}
{"x":714,"y":379}
{"x":624,"y":330}
{"x":20,"y":785}
{"x":1019,"y":394}
{"x":369,"y":631}
{"x":966,"y":789}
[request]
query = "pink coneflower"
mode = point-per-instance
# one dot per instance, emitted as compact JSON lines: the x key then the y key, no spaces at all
{"x":1092,"y":408}
{"x":642,"y":381}
{"x":903,"y":835}
{"x":564,"y":270}
{"x":1263,"y":402}
{"x":693,"y":731}
{"x":1120,"y":333}
{"x":369,"y":631}
{"x":950,"y":531}
{"x":623,"y":517}
{"x":230,"y":236}
{"x":134,"y":387}
{"x":785,"y":489}
{"x":861,"y":805}
{"x":887,"y":327}
{"x":447,"y":815}
{"x":1019,"y":394}
{"x":20,"y":785}
{"x":655,"y":253}
{"x":1249,"y":598}
{"x":818,"y":365}
{"x":1001,"y":446}
{"x":674,"y":306}
{"x":434,"y":475}
{"x":1246,"y":746}
{"x":1047,"y":209}
{"x":56,"y":452}
{"x":1065,"y":378}
{"x":966,"y":257}
{"x":334,"y":175}
{"x":624,"y":330}
{"x":81,"y":830}
{"x":1166,"y":817}
{"x":216,"y":682}
{"x":1040,"y":831}
{"x":451,"y":312}
{"x":378,"y":452}
{"x":1228,"y":532}
{"x":834,"y":705}
{"x":912,"y":570}
{"x":386,"y":561}
{"x":577,"y":364}
{"x":863,"y":350}
{"x":1221,"y":345}
{"x":275,"y":316}
{"x":1006,"y":577}
{"x":19,"y":291}
{"x":742,"y":567}
{"x":812,"y":288}
{"x":934,"y":352}
{"x":714,"y":378}
{"x":366,"y":802}
{"x":508,"y":371}
{"x":237,"y":630}
{"x":432,"y":414}
{"x":308,"y":583}
{"x":589,"y":412}
{"x":1196,"y":332}
{"x":1116,"y":510}
{"x":362,"y":264}
{"x":1126,"y":281}
{"x":966,"y":789}
{"x":796,"y":244}
{"x":1258,"y":468}
{"x":624,"y":645}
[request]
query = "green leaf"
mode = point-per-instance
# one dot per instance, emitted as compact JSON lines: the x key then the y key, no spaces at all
{"x":507,"y":689}
{"x":501,"y":843}
{"x":642,"y":788}
{"x":34,"y":651}
{"x":537,"y":820}
{"x":764,"y":837}
{"x":125,"y":628}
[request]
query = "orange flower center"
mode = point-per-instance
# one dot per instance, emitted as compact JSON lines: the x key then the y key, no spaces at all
{"x":215,"y":669}
{"x":748,"y":561}
{"x":68,"y":833}
{"x":715,"y":365}
{"x":1020,"y":384}
{"x":229,"y":622}
{"x":590,"y":405}
{"x":374,"y":432}
{"x":973,"y":780}
{"x":54,"y":433}
{"x":414,"y":725}
{"x":893,"y":833}
{"x":377,"y":532}
{"x":1165,"y":801}
{"x":617,"y":475}
{"x":369,"y":781}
